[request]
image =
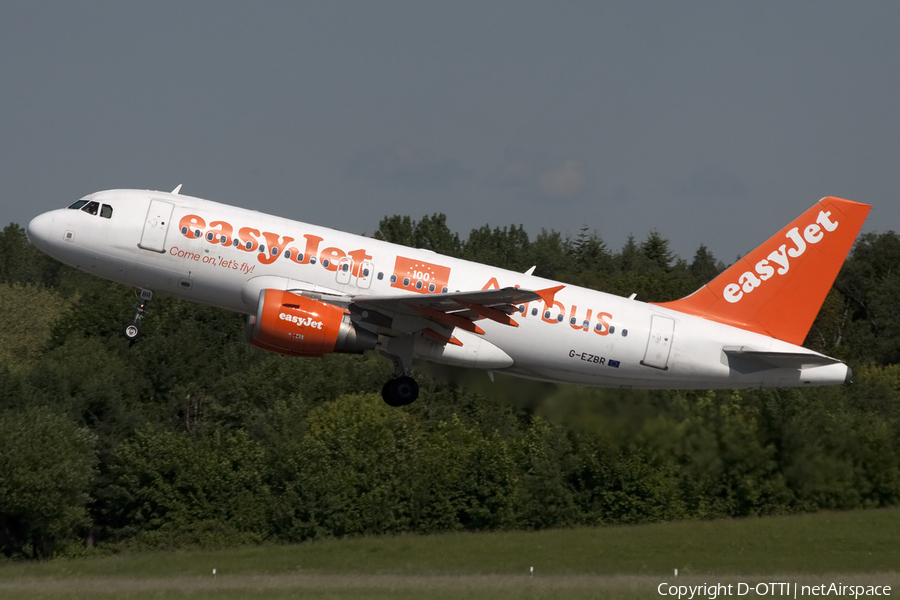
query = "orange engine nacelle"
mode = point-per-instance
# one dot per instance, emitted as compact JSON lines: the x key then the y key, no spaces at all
{"x":291,"y":324}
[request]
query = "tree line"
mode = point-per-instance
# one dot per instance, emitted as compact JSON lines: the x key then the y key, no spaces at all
{"x":193,"y":437}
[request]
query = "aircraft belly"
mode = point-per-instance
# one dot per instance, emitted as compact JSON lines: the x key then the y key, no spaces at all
{"x":474,"y":351}
{"x":558,"y":352}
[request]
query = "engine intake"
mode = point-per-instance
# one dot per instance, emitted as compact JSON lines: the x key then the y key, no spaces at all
{"x":291,"y":324}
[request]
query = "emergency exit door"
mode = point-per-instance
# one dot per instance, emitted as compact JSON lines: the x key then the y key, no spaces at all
{"x":659,"y":344}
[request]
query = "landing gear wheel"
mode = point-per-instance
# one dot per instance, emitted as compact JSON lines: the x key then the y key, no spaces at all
{"x":401,"y":391}
{"x":131,"y":331}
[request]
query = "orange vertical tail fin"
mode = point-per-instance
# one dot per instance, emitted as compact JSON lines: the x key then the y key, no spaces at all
{"x":777,"y":289}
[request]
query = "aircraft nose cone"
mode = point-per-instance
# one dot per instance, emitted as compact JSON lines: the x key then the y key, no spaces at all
{"x":40,"y":230}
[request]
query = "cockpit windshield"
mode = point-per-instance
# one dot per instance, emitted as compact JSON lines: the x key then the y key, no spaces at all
{"x":92,"y":208}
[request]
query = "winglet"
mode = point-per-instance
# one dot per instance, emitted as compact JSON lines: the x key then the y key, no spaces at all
{"x":548,"y":294}
{"x":778,"y":288}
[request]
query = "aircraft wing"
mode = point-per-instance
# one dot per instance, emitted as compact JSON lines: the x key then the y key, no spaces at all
{"x":399,"y":315}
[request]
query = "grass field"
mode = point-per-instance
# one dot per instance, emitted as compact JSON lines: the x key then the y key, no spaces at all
{"x":860,"y":547}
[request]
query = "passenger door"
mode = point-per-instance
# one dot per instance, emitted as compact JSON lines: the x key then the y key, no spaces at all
{"x":156,"y":226}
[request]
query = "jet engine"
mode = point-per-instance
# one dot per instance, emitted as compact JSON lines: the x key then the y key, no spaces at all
{"x":299,"y":326}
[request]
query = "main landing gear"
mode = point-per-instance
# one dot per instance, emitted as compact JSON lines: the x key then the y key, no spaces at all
{"x":132,"y":331}
{"x":402,"y":390}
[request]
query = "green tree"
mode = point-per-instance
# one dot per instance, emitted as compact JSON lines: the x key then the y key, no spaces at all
{"x":870,"y":284}
{"x":396,"y":229}
{"x":507,"y":248}
{"x":47,"y":464}
{"x":168,"y":489}
{"x":27,"y":315}
{"x":431,"y":233}
{"x":355,"y":459}
{"x":704,"y":267}
{"x":656,"y":249}
{"x":22,"y":263}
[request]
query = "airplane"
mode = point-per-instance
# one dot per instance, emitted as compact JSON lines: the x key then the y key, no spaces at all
{"x":310,"y":291}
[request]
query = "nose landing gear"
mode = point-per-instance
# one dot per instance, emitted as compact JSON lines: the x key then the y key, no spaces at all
{"x":132,"y":331}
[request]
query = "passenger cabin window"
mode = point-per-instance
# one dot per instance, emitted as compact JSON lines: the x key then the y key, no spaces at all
{"x":106,"y":211}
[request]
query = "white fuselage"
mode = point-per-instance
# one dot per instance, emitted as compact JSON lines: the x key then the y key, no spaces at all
{"x":586,"y":337}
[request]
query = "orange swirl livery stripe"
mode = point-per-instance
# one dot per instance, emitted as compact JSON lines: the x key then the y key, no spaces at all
{"x":778,"y":288}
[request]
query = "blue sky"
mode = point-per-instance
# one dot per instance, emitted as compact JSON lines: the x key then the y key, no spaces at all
{"x":712,"y":123}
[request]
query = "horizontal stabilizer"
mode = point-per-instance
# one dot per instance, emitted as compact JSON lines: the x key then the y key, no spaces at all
{"x":779,"y":360}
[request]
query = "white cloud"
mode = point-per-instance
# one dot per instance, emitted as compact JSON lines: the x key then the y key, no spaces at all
{"x":566,"y":181}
